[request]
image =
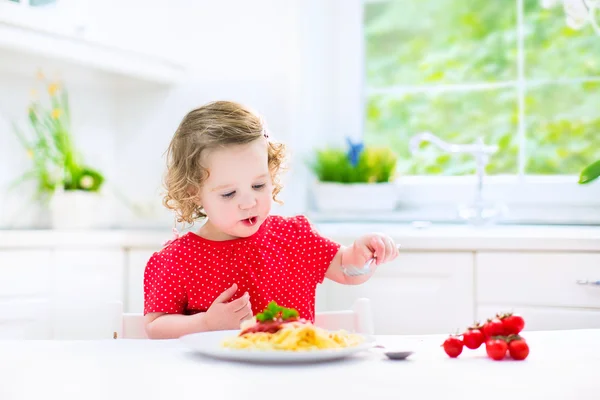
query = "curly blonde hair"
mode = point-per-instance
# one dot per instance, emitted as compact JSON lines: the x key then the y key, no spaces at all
{"x":213,"y":125}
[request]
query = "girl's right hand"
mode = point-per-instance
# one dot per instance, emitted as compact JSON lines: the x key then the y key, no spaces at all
{"x":223,"y":314}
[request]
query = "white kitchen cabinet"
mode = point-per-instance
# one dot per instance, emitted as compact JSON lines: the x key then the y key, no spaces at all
{"x":96,"y":42}
{"x":541,"y":285}
{"x":25,"y":319}
{"x":439,"y":284}
{"x":25,"y":273}
{"x":538,"y":279}
{"x":418,"y":293}
{"x":89,"y":275}
{"x":546,"y":318}
{"x":25,"y":286}
{"x":51,"y":293}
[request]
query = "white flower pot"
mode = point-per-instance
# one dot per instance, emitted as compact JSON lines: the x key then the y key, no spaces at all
{"x":76,"y":209}
{"x":341,"y":197}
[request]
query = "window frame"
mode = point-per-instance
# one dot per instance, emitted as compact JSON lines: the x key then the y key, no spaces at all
{"x":537,"y":199}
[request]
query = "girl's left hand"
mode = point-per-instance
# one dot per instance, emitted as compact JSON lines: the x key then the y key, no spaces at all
{"x":377,"y":245}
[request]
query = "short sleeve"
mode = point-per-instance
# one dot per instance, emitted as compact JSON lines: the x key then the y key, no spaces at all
{"x":318,"y":251}
{"x":163,"y":288}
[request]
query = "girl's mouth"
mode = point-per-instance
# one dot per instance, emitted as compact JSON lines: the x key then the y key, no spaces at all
{"x":250,"y":221}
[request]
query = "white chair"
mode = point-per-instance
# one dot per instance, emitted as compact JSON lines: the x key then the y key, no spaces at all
{"x":359,"y":319}
{"x":133,"y":326}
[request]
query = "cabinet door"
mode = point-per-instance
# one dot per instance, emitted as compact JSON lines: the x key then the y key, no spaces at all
{"x":538,"y":279}
{"x":546,"y":318}
{"x":25,"y":273}
{"x":418,"y":293}
{"x":91,"y":275}
{"x":24,"y":292}
{"x":25,"y":319}
{"x":88,"y":288}
{"x":136,"y":263}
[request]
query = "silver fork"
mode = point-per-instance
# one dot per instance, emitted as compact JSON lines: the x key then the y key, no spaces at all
{"x":356,"y":271}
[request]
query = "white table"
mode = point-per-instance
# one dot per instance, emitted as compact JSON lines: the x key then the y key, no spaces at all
{"x":561,"y":365}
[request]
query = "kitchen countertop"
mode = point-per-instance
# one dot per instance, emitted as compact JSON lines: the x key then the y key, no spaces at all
{"x":561,"y":365}
{"x":433,"y":237}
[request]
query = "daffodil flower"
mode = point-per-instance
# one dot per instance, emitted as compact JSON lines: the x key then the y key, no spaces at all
{"x":52,"y":89}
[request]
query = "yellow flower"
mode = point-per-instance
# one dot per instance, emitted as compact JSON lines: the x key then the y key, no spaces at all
{"x":34,"y":94}
{"x":52,"y":88}
{"x":29,"y":153}
{"x":40,"y":75}
{"x":56,"y":113}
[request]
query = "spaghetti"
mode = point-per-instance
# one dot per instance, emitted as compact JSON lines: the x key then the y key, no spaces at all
{"x":290,"y":334}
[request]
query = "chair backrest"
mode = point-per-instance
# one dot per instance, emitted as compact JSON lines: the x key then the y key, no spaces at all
{"x":359,"y":319}
{"x":134,"y":326}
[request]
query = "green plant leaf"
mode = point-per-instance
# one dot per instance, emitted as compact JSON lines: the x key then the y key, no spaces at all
{"x":590,"y":173}
{"x":375,"y":165}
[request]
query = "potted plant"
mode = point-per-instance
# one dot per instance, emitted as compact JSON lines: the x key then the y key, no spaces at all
{"x":356,"y":179}
{"x":64,"y":182}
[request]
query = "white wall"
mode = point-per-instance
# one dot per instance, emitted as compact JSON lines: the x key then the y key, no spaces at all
{"x":273,"y":55}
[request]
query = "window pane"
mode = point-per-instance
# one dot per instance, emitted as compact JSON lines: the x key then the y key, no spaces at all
{"x":454,"y":117}
{"x":563,"y":128}
{"x":440,"y":41}
{"x":553,"y":50}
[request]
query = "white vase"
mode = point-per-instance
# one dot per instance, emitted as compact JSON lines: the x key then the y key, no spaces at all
{"x":340,"y":197}
{"x":76,"y":209}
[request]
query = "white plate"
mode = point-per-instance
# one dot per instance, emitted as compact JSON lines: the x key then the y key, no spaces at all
{"x":209,"y":344}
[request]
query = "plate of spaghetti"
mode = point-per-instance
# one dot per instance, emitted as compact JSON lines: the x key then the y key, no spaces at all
{"x":278,"y":335}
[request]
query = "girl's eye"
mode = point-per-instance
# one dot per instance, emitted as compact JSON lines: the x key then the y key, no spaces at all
{"x":258,"y":187}
{"x":228,"y":195}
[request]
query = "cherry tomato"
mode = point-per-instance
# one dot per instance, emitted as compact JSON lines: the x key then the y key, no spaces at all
{"x":473,"y":338}
{"x":496,"y":348}
{"x":453,"y":346}
{"x":512,"y":323}
{"x":493,"y":327}
{"x":518,"y":349}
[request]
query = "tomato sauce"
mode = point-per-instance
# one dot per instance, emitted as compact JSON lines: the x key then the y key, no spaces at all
{"x":268,"y":326}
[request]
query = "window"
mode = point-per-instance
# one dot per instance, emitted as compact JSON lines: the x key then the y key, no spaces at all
{"x":509,"y":71}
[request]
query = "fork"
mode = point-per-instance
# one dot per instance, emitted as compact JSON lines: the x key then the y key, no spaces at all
{"x":356,"y":271}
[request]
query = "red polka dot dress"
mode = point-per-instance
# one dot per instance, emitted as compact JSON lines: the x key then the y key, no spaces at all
{"x":283,"y":261}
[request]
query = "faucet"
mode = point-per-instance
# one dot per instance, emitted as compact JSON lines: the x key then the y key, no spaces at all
{"x":480,"y":211}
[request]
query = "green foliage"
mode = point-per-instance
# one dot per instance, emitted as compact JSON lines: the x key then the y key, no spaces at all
{"x":50,"y":146}
{"x":416,"y":44}
{"x":590,"y":173}
{"x":374,"y":165}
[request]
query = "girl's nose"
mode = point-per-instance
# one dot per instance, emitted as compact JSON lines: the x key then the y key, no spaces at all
{"x":247,"y":202}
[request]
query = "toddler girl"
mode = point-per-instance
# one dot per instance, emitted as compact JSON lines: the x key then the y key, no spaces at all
{"x":224,"y":169}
